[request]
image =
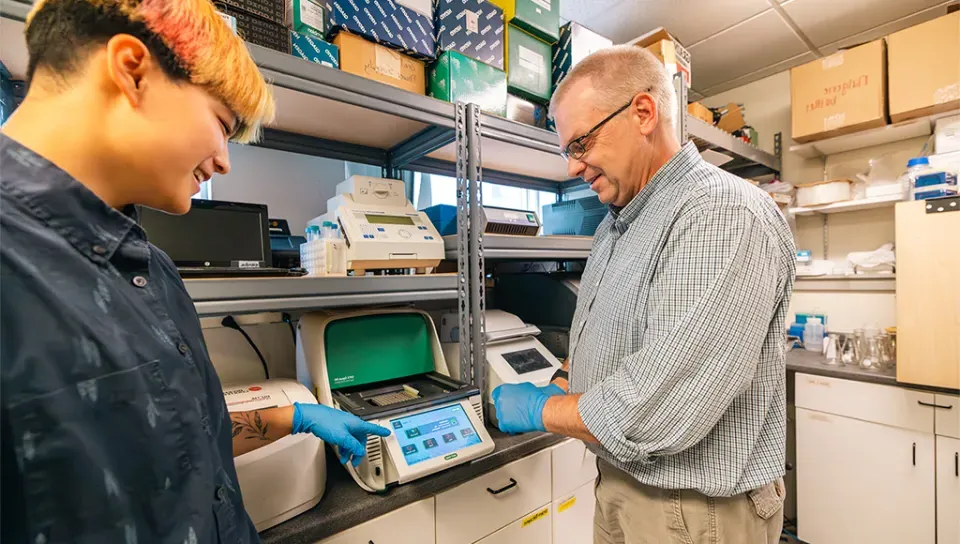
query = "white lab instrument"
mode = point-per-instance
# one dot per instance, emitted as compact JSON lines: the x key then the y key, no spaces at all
{"x":514,"y":355}
{"x":287,"y":477}
{"x":386,"y":366}
{"x":382,"y":228}
{"x":510,"y":222}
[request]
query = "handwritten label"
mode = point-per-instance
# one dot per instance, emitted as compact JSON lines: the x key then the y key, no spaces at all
{"x":388,"y":63}
{"x":536,"y":516}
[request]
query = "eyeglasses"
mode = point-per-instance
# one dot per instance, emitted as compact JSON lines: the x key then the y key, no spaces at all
{"x":576,"y":147}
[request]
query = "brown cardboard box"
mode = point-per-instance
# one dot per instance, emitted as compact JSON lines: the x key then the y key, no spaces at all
{"x":701,"y":112}
{"x":924,"y":68}
{"x":367,"y":59}
{"x":668,"y":49}
{"x":732,"y":120}
{"x":839,"y":94}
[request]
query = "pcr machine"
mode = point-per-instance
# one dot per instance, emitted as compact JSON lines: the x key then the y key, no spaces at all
{"x":272,"y":493}
{"x":513,"y":353}
{"x":386,"y":366}
{"x":382,"y":228}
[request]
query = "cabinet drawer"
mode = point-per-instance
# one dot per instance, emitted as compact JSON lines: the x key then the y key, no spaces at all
{"x":948,"y":490}
{"x":884,"y":404}
{"x":948,"y":419}
{"x":534,"y":528}
{"x":412,"y":524}
{"x":573,"y":516}
{"x":573,"y":466}
{"x":479,"y":507}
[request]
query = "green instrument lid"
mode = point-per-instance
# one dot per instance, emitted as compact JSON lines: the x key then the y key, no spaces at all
{"x":373,"y":348}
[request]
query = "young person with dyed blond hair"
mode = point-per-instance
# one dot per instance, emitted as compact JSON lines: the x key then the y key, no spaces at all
{"x":114,"y":426}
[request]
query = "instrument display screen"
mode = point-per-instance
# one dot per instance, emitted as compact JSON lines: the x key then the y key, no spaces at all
{"x":435,"y":433}
{"x":388,"y":219}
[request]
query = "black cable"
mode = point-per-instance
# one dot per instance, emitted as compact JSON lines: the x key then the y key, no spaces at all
{"x":231,"y":323}
{"x":289,"y":321}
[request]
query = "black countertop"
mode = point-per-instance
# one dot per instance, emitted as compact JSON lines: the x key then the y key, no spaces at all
{"x":809,"y":362}
{"x":345,"y":505}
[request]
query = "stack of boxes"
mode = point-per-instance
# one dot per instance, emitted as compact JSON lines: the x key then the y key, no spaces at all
{"x":533,"y":26}
{"x":259,"y":22}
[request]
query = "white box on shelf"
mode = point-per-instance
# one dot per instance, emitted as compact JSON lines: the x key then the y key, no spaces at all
{"x":947,"y":134}
{"x":823,"y":192}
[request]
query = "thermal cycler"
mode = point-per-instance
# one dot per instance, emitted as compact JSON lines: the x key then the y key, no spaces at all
{"x":514,"y":355}
{"x":273,"y":490}
{"x":382,"y":228}
{"x":386,"y":366}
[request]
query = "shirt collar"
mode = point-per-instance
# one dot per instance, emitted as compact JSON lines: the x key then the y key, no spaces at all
{"x":55,"y":198}
{"x":678,"y":165}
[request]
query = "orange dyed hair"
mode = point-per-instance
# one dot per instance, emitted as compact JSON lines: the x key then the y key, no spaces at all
{"x":190,"y":38}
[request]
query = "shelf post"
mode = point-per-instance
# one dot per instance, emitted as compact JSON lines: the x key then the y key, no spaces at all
{"x":463,"y":243}
{"x":477,"y":281}
{"x":680,"y":119}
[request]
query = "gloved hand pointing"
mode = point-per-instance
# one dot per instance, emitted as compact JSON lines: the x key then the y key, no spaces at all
{"x":344,"y":430}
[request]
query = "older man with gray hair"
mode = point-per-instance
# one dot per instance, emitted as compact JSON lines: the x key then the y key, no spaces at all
{"x":676,"y":369}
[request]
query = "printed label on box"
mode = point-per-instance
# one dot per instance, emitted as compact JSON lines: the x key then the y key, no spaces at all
{"x":311,"y":14}
{"x":832,"y":61}
{"x":545,"y":4}
{"x":531,"y":60}
{"x":388,"y":63}
{"x":473,"y":21}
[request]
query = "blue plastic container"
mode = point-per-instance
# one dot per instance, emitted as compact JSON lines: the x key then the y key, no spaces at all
{"x":443,"y":217}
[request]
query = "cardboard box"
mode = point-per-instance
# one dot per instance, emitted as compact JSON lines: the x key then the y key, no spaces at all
{"x":373,"y":61}
{"x":305,"y":17}
{"x":947,"y":135}
{"x":526,"y":112}
{"x":385,"y":22}
{"x":575,"y":43}
{"x":458,"y":78}
{"x":314,"y":49}
{"x":271,"y":10}
{"x":669,"y":50}
{"x":528,"y":66}
{"x":540,"y":18}
{"x":924,"y":68}
{"x":839,"y":94}
{"x":260,"y":31}
{"x":423,"y":7}
{"x":472,"y":27}
{"x":701,"y":112}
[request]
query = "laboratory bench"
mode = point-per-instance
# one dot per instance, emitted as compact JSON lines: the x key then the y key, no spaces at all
{"x":810,"y":362}
{"x":345,"y":505}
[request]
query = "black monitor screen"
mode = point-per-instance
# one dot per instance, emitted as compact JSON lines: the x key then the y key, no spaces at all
{"x":219,"y":236}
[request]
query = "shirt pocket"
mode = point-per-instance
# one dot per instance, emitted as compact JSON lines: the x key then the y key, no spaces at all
{"x":107,"y":456}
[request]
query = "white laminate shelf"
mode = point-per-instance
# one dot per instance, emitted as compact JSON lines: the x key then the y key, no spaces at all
{"x":848,"y":206}
{"x":835,"y":282}
{"x":528,"y":248}
{"x":904,"y":130}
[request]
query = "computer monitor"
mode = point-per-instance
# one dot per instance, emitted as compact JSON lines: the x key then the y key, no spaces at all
{"x":212,"y":234}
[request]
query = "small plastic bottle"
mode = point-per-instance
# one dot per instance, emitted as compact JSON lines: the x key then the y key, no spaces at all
{"x":336,"y":231}
{"x":813,"y":335}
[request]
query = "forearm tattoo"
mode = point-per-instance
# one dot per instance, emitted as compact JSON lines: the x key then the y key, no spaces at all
{"x":250,"y":425}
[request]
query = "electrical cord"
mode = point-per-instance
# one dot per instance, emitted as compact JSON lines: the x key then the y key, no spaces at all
{"x":289,"y":321}
{"x":231,"y":323}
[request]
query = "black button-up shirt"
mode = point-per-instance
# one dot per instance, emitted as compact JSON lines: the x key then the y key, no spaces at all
{"x":114,"y":426}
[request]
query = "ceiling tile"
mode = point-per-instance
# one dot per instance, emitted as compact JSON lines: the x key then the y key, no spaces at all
{"x":760,"y":74}
{"x":755,"y":44}
{"x":689,"y":20}
{"x":826,"y":21}
{"x":888,"y":28}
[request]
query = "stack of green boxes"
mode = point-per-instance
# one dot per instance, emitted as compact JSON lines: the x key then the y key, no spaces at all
{"x":533,"y":26}
{"x":456,"y":77}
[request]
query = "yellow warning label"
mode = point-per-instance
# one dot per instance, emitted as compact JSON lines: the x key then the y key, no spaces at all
{"x":565,"y":505}
{"x":540,"y":514}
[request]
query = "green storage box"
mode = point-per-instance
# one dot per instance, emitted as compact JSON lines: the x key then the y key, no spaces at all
{"x":305,"y":17}
{"x":538,"y":17}
{"x":528,"y":66}
{"x":458,"y":78}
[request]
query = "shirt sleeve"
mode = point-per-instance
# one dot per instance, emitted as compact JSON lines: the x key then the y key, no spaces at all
{"x":713,"y":296}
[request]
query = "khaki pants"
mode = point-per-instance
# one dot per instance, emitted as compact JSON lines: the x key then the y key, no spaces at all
{"x":629,"y":512}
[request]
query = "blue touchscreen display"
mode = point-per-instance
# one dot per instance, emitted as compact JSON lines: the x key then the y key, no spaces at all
{"x":435,"y":433}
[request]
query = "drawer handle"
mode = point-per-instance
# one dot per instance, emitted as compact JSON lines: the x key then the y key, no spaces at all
{"x":956,"y":464}
{"x":934,"y":405}
{"x":914,"y":454}
{"x":511,"y":485}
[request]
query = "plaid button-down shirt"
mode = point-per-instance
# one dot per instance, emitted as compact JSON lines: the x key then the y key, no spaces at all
{"x":677,"y":343}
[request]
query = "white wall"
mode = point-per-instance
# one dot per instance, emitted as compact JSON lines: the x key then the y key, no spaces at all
{"x":767,"y":104}
{"x":294,"y":187}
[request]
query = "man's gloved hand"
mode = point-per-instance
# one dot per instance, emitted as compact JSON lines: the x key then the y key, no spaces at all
{"x":520,"y":407}
{"x":344,"y":430}
{"x":552,"y":390}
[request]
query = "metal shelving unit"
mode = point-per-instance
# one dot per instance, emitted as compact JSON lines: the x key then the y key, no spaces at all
{"x":528,"y":248}
{"x":748,"y":160}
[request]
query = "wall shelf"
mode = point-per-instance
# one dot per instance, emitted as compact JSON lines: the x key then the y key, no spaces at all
{"x":904,"y":130}
{"x":748,"y":160}
{"x":834,"y":282}
{"x":528,"y":248}
{"x":848,"y":206}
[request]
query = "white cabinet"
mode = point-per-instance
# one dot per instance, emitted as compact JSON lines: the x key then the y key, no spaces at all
{"x":483,"y":505}
{"x":948,"y":490}
{"x":412,"y":524}
{"x":573,"y":516}
{"x":948,"y":415}
{"x":573,"y":466}
{"x":863,"y":482}
{"x":534,"y":528}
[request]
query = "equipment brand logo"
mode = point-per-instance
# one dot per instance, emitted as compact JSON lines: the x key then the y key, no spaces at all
{"x":380,"y":8}
{"x":369,"y":16}
{"x":344,"y":379}
{"x":451,"y":456}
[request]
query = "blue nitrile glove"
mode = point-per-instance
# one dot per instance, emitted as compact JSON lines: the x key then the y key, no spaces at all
{"x":552,"y":390}
{"x":344,"y":430}
{"x":519,"y":407}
